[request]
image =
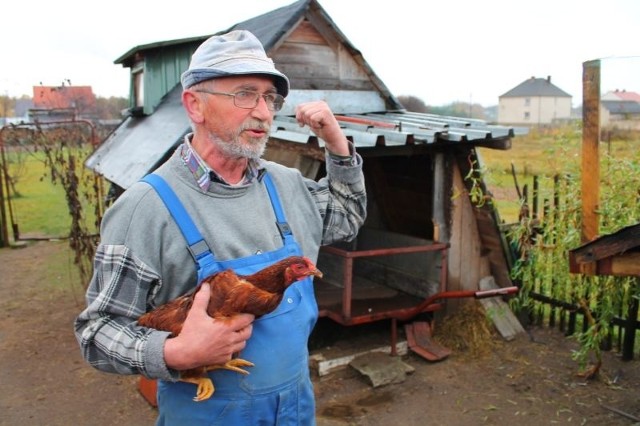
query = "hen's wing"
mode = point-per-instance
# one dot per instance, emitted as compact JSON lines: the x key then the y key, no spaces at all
{"x":170,"y":316}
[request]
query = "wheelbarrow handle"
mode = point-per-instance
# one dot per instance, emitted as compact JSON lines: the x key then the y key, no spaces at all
{"x":405,"y":316}
{"x":495,"y":292}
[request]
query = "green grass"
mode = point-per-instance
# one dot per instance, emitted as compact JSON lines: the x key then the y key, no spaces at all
{"x":39,"y":207}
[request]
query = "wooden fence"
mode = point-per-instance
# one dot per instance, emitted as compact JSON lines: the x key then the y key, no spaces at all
{"x":566,"y":313}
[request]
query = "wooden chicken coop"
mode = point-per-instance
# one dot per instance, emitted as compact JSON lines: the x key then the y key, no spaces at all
{"x":423,"y":235}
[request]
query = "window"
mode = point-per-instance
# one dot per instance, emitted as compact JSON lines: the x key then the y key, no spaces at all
{"x":527,"y":101}
{"x":527,"y":115}
{"x":138,"y":84}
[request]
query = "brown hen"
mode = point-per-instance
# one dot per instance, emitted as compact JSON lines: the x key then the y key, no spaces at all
{"x":256,"y":294}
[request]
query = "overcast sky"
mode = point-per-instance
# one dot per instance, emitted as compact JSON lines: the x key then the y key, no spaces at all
{"x":440,"y":51}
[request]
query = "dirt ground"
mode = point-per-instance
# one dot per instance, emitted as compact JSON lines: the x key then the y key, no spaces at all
{"x":529,"y":381}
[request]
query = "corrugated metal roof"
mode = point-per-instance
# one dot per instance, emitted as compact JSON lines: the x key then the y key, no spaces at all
{"x":140,"y":143}
{"x":392,"y":129}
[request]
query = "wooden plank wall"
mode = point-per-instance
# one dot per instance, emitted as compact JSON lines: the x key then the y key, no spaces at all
{"x":465,"y":260}
{"x":494,"y":247}
{"x":316,"y":61}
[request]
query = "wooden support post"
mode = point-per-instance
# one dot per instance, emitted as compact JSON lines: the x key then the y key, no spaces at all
{"x":590,"y":158}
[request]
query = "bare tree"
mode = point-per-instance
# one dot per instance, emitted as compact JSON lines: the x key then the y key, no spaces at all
{"x":413,"y":104}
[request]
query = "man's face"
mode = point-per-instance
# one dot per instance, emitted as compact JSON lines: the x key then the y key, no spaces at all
{"x":236,"y":131}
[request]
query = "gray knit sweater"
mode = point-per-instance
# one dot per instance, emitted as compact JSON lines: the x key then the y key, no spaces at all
{"x":142,"y":260}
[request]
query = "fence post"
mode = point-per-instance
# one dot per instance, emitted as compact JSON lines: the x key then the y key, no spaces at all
{"x":630,"y":326}
{"x":536,"y":192}
{"x":4,"y":230}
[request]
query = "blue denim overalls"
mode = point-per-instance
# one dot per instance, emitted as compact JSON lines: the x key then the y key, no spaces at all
{"x":278,"y":389}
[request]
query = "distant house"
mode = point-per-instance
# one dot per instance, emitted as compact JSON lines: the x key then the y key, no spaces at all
{"x":621,"y":95}
{"x":59,"y":103}
{"x":535,"y":101}
{"x":620,"y":108}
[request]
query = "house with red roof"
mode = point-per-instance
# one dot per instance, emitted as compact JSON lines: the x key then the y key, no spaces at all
{"x":620,"y":108}
{"x":621,"y":95}
{"x":60,"y":103}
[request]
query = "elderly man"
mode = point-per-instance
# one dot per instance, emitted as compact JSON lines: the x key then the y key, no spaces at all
{"x":237,"y":203}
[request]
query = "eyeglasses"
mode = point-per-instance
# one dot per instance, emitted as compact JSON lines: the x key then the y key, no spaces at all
{"x":248,"y":100}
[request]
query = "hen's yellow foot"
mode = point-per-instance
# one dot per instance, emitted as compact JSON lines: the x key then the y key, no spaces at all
{"x":234,"y":364}
{"x":205,"y":387}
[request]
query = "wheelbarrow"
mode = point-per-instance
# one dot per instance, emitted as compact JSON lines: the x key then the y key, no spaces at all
{"x":419,"y":333}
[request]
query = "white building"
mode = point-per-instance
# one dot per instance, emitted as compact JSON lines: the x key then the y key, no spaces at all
{"x":535,"y":101}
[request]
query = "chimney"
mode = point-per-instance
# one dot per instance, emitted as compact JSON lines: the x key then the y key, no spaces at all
{"x":548,"y":79}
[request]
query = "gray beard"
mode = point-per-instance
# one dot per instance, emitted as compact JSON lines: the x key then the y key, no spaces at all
{"x":236,"y":149}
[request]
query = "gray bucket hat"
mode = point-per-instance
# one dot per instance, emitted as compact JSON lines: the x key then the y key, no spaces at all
{"x":234,"y":53}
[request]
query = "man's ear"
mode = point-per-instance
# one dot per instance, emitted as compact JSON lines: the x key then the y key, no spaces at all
{"x":194,"y":106}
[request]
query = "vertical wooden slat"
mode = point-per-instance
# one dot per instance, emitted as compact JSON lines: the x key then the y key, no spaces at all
{"x":440,"y":198}
{"x":630,"y":327}
{"x":456,"y":239}
{"x":464,"y":252}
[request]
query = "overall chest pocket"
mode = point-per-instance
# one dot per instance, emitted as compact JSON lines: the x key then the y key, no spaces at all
{"x":290,"y":301}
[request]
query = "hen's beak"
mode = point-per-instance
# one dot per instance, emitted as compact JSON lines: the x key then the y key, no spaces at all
{"x":315,"y":272}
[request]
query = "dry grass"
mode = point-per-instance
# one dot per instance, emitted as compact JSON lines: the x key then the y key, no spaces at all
{"x":468,"y":330}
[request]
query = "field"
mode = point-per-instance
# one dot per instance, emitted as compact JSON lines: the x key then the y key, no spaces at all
{"x":545,"y":154}
{"x":38,"y":207}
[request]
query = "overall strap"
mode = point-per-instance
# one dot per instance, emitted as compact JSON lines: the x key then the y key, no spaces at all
{"x":196,"y":244}
{"x":281,"y":221}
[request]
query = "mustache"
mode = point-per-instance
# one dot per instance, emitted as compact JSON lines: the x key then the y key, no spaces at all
{"x":256,"y":125}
